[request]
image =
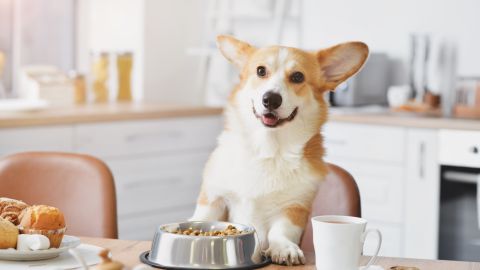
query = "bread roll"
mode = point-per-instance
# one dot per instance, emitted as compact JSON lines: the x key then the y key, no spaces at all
{"x":45,"y":220}
{"x":42,"y":217}
{"x":10,"y":209}
{"x":8,"y":234}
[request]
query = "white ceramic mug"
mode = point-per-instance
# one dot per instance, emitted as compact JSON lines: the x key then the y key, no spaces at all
{"x":398,"y":95}
{"x":338,"y":242}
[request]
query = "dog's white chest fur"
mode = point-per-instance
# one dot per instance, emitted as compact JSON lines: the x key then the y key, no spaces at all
{"x":250,"y":170}
{"x":258,"y":176}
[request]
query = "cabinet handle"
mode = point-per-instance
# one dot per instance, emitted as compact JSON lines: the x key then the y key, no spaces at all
{"x":421,"y":168}
{"x":475,"y":150}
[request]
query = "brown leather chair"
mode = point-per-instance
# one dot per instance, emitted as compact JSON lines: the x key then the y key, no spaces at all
{"x":337,"y":195}
{"x":79,"y":185}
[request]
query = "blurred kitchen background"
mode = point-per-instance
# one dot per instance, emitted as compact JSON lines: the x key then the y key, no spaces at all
{"x":140,"y":84}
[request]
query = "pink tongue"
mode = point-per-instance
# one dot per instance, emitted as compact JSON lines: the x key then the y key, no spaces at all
{"x":269,"y":121}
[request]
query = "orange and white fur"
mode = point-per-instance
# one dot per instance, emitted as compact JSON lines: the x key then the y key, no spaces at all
{"x":269,"y":159}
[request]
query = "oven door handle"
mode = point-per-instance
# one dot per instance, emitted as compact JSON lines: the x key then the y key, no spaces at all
{"x":461,"y":177}
{"x":466,"y":178}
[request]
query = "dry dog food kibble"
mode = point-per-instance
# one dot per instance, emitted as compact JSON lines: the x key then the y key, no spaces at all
{"x":230,"y":230}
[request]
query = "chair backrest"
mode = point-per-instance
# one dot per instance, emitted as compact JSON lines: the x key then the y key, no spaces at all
{"x":80,"y":186}
{"x":337,"y":195}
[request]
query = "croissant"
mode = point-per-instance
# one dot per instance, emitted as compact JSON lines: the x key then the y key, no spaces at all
{"x":10,"y":209}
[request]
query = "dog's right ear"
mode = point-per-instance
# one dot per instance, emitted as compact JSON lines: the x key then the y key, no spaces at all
{"x":236,"y":51}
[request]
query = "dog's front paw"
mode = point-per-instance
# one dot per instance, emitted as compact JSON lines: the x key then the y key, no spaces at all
{"x":285,"y":252}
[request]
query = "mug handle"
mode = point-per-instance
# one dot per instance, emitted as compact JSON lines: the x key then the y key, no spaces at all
{"x":364,"y":236}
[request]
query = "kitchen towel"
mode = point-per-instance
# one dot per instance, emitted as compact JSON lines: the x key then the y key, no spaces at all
{"x":65,"y":261}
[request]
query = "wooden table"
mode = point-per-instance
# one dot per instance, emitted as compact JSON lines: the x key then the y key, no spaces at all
{"x":128,"y":251}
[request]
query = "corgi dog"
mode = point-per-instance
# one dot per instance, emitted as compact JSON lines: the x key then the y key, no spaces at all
{"x":269,"y":159}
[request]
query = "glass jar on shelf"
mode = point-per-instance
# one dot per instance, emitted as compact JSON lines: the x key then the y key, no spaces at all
{"x":80,"y":87}
{"x":124,"y":73}
{"x":100,"y":62}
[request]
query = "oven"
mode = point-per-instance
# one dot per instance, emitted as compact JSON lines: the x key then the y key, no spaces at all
{"x":459,"y":224}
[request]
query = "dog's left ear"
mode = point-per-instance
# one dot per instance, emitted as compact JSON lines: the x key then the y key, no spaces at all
{"x":236,"y":51}
{"x":340,"y":62}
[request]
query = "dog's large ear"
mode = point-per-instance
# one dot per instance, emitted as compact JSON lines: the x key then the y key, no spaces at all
{"x":234,"y":50}
{"x":340,"y":62}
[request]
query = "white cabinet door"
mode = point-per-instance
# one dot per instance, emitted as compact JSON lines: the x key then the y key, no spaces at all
{"x":365,"y":142}
{"x":156,"y":190}
{"x":45,"y":138}
{"x":143,"y":227}
{"x":392,"y":240}
{"x":381,"y":189}
{"x":142,"y":137}
{"x":375,"y":156}
{"x":157,"y":166}
{"x":155,"y":184}
{"x":422,"y":189}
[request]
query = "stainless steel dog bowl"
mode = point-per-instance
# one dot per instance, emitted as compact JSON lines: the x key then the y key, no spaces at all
{"x":177,"y":251}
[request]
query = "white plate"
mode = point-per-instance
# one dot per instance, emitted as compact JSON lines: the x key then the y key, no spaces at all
{"x":22,"y":105}
{"x":11,"y":254}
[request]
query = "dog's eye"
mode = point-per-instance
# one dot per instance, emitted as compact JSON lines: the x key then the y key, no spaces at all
{"x":297,"y":77}
{"x":261,"y":71}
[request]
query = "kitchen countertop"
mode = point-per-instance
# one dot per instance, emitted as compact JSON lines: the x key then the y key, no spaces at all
{"x":141,"y":111}
{"x":384,"y":116}
{"x":101,"y":113}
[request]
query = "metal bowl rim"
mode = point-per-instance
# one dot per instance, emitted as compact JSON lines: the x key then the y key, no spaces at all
{"x":251,"y":230}
{"x":145,"y":258}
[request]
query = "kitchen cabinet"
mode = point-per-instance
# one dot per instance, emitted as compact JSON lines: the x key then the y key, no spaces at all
{"x":375,"y":156}
{"x":157,"y":164}
{"x":45,"y":138}
{"x":422,"y":189}
{"x":365,"y":142}
{"x":142,"y":137}
{"x":397,"y":172}
{"x":155,"y":190}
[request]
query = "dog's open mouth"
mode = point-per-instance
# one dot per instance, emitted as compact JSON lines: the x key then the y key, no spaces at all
{"x":271,"y":118}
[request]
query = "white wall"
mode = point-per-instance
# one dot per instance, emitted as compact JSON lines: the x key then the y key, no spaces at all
{"x":386,"y":25}
{"x":172,"y":26}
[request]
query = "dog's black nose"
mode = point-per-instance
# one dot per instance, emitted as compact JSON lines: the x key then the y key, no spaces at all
{"x":271,"y":100}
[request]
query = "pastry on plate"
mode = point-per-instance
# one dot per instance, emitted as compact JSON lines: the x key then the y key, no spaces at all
{"x":10,"y":209}
{"x":45,"y":220}
{"x":8,"y":234}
